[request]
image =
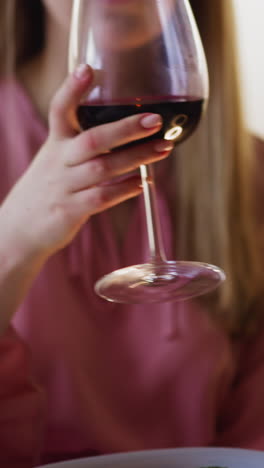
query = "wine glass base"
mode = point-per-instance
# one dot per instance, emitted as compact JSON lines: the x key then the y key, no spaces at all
{"x":159,"y":282}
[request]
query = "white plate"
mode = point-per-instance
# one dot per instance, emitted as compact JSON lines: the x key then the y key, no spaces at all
{"x":172,"y":458}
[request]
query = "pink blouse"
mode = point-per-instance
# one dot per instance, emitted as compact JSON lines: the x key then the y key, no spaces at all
{"x":80,"y":376}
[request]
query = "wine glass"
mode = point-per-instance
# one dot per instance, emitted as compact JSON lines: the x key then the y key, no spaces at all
{"x":148,"y":57}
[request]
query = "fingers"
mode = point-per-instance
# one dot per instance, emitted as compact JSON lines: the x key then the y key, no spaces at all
{"x":111,"y":165}
{"x":67,"y":99}
{"x":101,"y":139}
{"x":103,"y":197}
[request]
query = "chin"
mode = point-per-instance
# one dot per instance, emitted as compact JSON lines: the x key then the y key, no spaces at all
{"x":60,"y":11}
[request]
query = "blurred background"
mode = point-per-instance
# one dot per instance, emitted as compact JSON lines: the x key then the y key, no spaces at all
{"x":250,"y":30}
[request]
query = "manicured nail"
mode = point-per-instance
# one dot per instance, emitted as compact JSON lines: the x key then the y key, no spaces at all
{"x":82,"y":72}
{"x":151,"y":121}
{"x":163,"y":146}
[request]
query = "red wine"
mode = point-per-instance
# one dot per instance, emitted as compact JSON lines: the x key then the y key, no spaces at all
{"x":180,"y":117}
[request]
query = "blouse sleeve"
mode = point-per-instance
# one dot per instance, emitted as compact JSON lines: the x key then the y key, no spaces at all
{"x":241,"y":421}
{"x":21,"y":406}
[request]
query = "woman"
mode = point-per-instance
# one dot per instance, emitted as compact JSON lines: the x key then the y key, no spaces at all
{"x":111,"y":377}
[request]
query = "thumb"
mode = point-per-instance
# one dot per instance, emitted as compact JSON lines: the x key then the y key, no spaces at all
{"x":66,"y":99}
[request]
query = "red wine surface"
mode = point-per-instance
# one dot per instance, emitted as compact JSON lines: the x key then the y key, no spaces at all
{"x":180,"y":117}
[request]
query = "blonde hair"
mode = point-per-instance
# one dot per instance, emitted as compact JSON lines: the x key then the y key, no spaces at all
{"x":214,"y":168}
{"x":22,"y":26}
{"x":215,"y":174}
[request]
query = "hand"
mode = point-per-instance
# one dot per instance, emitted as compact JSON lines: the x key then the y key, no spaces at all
{"x":70,"y":178}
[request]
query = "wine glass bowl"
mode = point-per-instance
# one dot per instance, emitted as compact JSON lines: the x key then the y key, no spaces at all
{"x":147,"y":56}
{"x":140,"y":49}
{"x":126,"y":25}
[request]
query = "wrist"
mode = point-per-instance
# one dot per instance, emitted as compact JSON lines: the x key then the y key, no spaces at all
{"x":20,"y":265}
{"x":16,"y":249}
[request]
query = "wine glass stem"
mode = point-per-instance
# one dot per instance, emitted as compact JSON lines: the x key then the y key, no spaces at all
{"x":152,"y":214}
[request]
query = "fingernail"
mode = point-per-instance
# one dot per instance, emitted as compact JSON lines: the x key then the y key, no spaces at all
{"x":82,"y":72}
{"x":163,"y":146}
{"x":151,"y":120}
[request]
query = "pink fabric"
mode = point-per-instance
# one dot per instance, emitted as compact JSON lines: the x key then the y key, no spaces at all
{"x":21,"y":406}
{"x":115,"y":377}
